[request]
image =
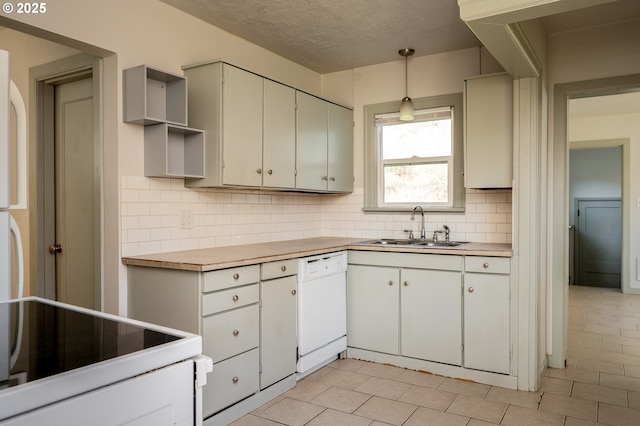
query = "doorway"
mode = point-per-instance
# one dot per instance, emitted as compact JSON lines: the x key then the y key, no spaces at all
{"x":69,"y":201}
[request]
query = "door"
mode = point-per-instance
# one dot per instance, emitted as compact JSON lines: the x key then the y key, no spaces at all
{"x":431,"y":315}
{"x":340,"y":149}
{"x":599,"y":243}
{"x":76,"y":208}
{"x":311,"y":143}
{"x":279,"y":144}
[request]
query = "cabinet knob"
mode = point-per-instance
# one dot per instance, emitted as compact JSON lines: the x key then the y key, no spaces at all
{"x":390,"y":282}
{"x":283,"y":268}
{"x":235,"y":379}
{"x":294,"y":292}
{"x":236,"y":332}
{"x":332,"y":179}
{"x":470,"y":290}
{"x":235,"y":298}
{"x":270,"y":171}
{"x":236,"y":276}
{"x":259,"y":171}
{"x":325,"y":178}
{"x":406,"y":283}
{"x":485,"y":265}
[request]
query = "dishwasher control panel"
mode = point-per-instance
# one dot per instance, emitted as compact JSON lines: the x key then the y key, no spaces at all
{"x":314,"y":267}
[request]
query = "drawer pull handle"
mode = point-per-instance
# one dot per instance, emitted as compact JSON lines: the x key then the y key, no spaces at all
{"x":235,"y":298}
{"x":236,"y":332}
{"x":259,"y":171}
{"x":470,"y":290}
{"x":390,"y":282}
{"x":270,"y":171}
{"x":406,"y":283}
{"x":485,"y":265}
{"x":283,"y":268}
{"x":235,"y":379}
{"x":236,"y":276}
{"x":293,"y":292}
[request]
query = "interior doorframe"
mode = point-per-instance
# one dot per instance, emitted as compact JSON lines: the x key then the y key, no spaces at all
{"x":559,"y":215}
{"x":42,"y":80}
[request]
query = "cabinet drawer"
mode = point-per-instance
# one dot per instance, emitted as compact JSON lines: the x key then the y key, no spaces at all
{"x":230,"y":381}
{"x":225,"y":278}
{"x":230,"y":333}
{"x":229,"y":299}
{"x":491,"y":265}
{"x":279,"y":269}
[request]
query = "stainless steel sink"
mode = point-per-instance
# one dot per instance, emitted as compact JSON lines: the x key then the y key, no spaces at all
{"x":414,"y":243}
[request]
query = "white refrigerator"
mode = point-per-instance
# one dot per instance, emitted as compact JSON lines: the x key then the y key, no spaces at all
{"x":9,"y":231}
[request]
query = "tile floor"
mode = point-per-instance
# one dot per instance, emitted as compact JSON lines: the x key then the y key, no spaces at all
{"x":601,"y":384}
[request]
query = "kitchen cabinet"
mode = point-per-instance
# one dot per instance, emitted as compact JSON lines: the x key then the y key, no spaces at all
{"x":431,"y":315}
{"x":279,"y":139}
{"x":486,"y":314}
{"x":488,"y":131}
{"x":324,"y":145}
{"x":173,"y":151}
{"x":373,"y":307}
{"x":278,"y":314}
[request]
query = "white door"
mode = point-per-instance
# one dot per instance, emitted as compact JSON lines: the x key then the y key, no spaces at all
{"x":311,"y":143}
{"x":486,"y":322}
{"x":432,"y":315}
{"x":278,"y":333}
{"x":373,"y":299}
{"x":76,"y":208}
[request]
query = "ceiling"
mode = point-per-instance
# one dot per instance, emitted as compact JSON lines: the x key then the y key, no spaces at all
{"x":333,"y":35}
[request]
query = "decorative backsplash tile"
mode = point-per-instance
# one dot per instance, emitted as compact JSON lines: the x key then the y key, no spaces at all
{"x":161,"y":215}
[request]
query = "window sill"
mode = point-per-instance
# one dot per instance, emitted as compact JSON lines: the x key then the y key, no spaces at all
{"x":448,"y":210}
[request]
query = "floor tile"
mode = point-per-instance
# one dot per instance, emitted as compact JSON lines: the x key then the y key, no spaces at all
{"x":464,"y":387}
{"x":619,"y":416}
{"x":384,"y":388}
{"x":306,"y":390}
{"x":574,"y":407}
{"x":620,"y":358}
{"x":341,"y":399}
{"x":478,"y":408}
{"x":476,"y":422}
{"x":510,"y":396}
{"x":559,"y":386}
{"x":333,"y":418}
{"x":386,"y":410}
{"x":520,"y":416}
{"x":429,"y":398}
{"x":291,"y":412}
{"x":634,"y":399}
{"x":600,"y":366}
{"x":347,"y":364}
{"x":343,"y":379}
{"x":427,"y":417}
{"x":631,"y":350}
{"x":572,"y":421}
{"x":420,"y":378}
{"x":600,"y":394}
{"x":380,"y":370}
{"x":575,"y":374}
{"x":251,"y":420}
{"x":620,"y":382}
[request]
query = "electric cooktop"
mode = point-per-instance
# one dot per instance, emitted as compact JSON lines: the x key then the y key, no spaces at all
{"x":40,"y":339}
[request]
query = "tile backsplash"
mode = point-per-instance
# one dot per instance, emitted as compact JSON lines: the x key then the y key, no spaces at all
{"x":161,"y":215}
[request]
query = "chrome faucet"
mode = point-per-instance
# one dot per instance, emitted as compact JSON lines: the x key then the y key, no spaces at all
{"x":446,"y":233}
{"x":423,"y":232}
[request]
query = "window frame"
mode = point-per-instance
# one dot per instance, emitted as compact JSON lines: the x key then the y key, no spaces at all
{"x":373,"y":201}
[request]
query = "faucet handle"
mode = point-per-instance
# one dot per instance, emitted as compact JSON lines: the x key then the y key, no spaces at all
{"x":410,"y":231}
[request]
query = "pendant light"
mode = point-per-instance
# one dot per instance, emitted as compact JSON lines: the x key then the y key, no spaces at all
{"x":406,"y":106}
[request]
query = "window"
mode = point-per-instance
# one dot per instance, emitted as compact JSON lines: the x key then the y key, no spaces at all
{"x":417,"y":162}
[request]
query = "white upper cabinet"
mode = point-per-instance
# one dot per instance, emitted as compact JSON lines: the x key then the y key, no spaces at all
{"x":488,"y":141}
{"x":311,"y":153}
{"x":340,"y":149}
{"x":279,"y":138}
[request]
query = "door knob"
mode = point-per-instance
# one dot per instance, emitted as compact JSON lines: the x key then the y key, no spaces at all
{"x":54,"y":249}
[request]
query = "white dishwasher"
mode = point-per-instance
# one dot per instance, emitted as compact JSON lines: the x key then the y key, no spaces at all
{"x":322,"y":310}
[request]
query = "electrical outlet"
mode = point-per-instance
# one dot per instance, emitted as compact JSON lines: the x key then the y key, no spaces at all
{"x":185,"y":219}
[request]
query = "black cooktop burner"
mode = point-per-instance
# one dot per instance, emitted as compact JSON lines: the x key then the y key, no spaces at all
{"x":47,"y":339}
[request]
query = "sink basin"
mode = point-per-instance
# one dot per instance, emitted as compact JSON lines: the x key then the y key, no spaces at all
{"x":415,"y":243}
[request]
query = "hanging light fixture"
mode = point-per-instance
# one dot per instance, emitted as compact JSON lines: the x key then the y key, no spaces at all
{"x":406,"y":106}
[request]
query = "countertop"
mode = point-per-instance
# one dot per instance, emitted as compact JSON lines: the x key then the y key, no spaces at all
{"x":210,"y":259}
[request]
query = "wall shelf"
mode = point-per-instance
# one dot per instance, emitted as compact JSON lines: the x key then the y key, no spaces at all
{"x":173,"y":151}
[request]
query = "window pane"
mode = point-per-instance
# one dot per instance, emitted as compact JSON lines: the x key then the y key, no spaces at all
{"x":418,"y":183}
{"x":418,"y":139}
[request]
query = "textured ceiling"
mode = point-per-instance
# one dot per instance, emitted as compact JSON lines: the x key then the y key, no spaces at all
{"x":334,"y":35}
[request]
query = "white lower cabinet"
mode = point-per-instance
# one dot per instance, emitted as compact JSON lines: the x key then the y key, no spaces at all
{"x":486,"y":315}
{"x":431,"y":315}
{"x":373,"y":296}
{"x":278,"y":336}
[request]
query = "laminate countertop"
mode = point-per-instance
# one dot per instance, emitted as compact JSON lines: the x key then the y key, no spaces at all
{"x":210,"y":259}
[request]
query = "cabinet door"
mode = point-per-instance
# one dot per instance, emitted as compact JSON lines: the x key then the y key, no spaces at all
{"x":486,"y":322}
{"x":373,"y":303}
{"x":432,"y":315}
{"x":242,"y":127}
{"x":278,"y":337}
{"x":489,"y":132}
{"x":279,"y":139}
{"x":340,"y":149}
{"x":311,"y":143}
